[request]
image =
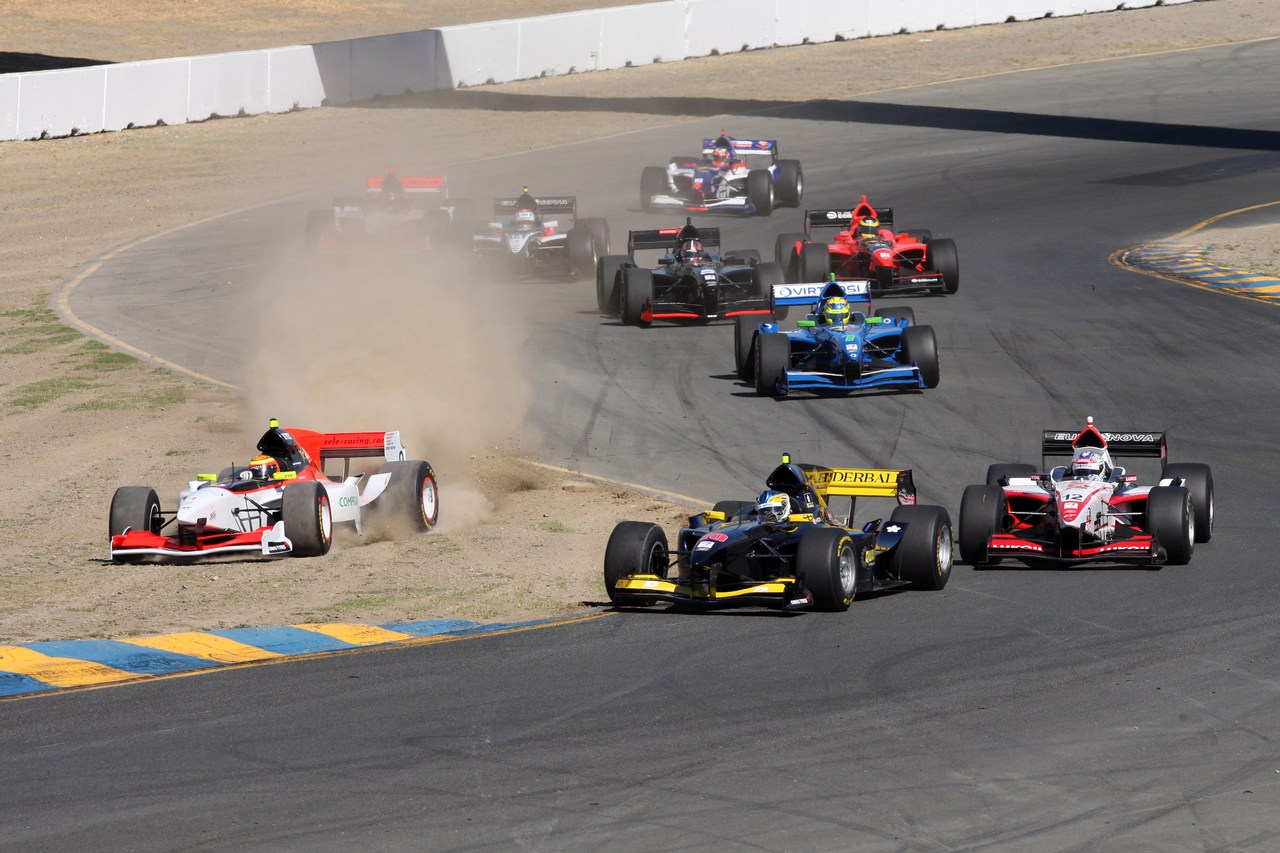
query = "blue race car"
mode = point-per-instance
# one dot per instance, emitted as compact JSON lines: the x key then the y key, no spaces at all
{"x":835,"y":348}
{"x":731,"y":176}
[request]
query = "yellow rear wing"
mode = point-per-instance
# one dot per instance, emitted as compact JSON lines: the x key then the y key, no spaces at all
{"x":863,"y":482}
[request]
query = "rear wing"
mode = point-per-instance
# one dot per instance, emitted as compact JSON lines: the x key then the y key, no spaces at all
{"x":546,"y":204}
{"x":744,"y":146}
{"x":863,"y":482}
{"x":665,"y":238}
{"x":807,"y":294}
{"x":434,"y":185}
{"x":843,"y":217}
{"x":1150,"y":445}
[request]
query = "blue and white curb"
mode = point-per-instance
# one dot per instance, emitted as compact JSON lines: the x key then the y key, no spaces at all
{"x":1187,"y":263}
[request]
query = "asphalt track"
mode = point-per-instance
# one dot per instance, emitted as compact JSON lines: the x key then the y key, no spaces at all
{"x":1098,"y":709}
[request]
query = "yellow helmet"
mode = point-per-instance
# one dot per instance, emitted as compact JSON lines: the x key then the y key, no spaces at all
{"x":836,"y":311}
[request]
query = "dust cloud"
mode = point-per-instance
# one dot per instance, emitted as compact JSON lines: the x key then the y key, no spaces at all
{"x":408,"y":341}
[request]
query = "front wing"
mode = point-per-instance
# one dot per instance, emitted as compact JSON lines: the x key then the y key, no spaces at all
{"x":780,"y":593}
{"x":732,"y":204}
{"x":905,"y":376}
{"x":1140,"y":548}
{"x":675,"y":310}
{"x":267,"y":541}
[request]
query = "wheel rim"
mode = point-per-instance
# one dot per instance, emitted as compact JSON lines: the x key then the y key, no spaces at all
{"x":848,"y":569}
{"x":326,"y":518}
{"x":657,"y":564}
{"x":428,"y":501}
{"x":1191,"y":523}
{"x":944,"y":550}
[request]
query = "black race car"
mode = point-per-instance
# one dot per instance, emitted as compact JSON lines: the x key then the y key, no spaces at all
{"x":792,"y":548}
{"x":692,"y":280}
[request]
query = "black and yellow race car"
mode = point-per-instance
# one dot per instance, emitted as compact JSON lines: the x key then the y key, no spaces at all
{"x":792,"y":548}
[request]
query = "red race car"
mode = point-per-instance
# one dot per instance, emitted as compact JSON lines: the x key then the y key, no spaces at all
{"x":868,"y":248}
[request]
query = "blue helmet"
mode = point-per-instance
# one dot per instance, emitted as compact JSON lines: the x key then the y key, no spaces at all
{"x":773,"y":506}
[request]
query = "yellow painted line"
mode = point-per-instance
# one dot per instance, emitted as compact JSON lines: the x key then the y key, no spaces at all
{"x":356,"y":634}
{"x":60,"y":672}
{"x":209,"y":647}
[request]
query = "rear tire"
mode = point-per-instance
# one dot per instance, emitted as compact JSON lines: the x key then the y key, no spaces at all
{"x":764,"y":277}
{"x":944,"y":258}
{"x":784,"y":248}
{"x":599,"y":229}
{"x":815,"y":262}
{"x":1171,"y":520}
{"x":411,"y":495}
{"x":134,"y":508}
{"x":920,"y":345}
{"x":637,"y":293}
{"x":1197,"y":479}
{"x":308,"y":519}
{"x":982,"y":511}
{"x":773,"y":354}
{"x":653,"y":181}
{"x":607,"y":269}
{"x":924,"y":556}
{"x":827,"y":566}
{"x":582,"y":252}
{"x":635,"y":547}
{"x":744,"y":350}
{"x":760,"y":191}
{"x":790,"y":183}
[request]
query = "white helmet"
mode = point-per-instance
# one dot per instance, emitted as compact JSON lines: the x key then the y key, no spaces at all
{"x":1090,"y":462}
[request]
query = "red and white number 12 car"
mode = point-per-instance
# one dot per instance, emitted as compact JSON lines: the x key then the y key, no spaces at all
{"x":283,"y":503}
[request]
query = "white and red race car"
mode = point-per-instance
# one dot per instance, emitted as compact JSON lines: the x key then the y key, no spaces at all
{"x":409,"y":214}
{"x":282,"y":503}
{"x":1091,"y":510}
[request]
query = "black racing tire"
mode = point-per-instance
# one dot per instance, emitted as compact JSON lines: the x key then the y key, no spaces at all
{"x":943,"y":258}
{"x":318,"y":222}
{"x":920,"y":345}
{"x":784,"y":247}
{"x":885,"y":277}
{"x":637,"y":292}
{"x":599,"y":229}
{"x":582,"y":252}
{"x":815,"y":262}
{"x":607,"y":289}
{"x":982,"y":512}
{"x":1171,"y":520}
{"x":634,"y":547}
{"x":764,"y":277}
{"x":732,"y":508}
{"x":827,"y":565}
{"x":745,"y":257}
{"x":134,"y":508}
{"x":773,"y":355}
{"x":925,"y":554}
{"x":905,"y":312}
{"x":412,"y":497}
{"x":1197,"y":478}
{"x":998,"y":471}
{"x":653,"y":181}
{"x":744,"y":349}
{"x":790,"y":185}
{"x":308,"y":518}
{"x":760,"y":191}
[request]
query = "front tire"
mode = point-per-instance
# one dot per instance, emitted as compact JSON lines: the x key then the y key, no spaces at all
{"x":582,"y":252}
{"x":944,"y":258}
{"x":411,"y":496}
{"x":760,"y":191}
{"x":764,"y":277}
{"x":784,"y":248}
{"x":607,"y":269}
{"x":982,"y":511}
{"x":744,"y":350}
{"x":637,"y":293}
{"x":134,"y":508}
{"x":920,"y":345}
{"x":653,"y":181}
{"x":308,"y":518}
{"x":635,"y":547}
{"x":827,"y":566}
{"x":790,"y":183}
{"x":1171,"y":520}
{"x":773,"y":353}
{"x":924,"y":556}
{"x":815,"y":262}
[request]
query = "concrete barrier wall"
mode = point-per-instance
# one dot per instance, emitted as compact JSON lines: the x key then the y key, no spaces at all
{"x":139,"y":94}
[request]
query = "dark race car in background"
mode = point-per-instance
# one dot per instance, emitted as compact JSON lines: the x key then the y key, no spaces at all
{"x":1057,"y":516}
{"x":686,"y":285}
{"x":737,"y":555}
{"x":872,"y":351}
{"x":414,"y":213}
{"x":743,"y":176}
{"x":525,"y":240}
{"x":895,"y":262}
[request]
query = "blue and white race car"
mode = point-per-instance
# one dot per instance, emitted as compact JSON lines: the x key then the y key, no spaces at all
{"x":835,"y":348}
{"x":731,"y":176}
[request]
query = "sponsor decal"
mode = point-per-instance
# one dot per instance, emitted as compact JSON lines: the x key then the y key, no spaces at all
{"x":704,"y":545}
{"x":717,"y":537}
{"x":1110,"y":436}
{"x":839,"y":214}
{"x":277,"y":547}
{"x":849,"y":476}
{"x":348,"y":501}
{"x":893,"y":528}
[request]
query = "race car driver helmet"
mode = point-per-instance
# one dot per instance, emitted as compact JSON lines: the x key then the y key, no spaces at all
{"x":836,"y":311}
{"x":773,"y":506}
{"x":526,"y":219}
{"x":263,"y":468}
{"x":691,"y":250}
{"x":868,"y":228}
{"x":1089,"y":462}
{"x":721,"y":157}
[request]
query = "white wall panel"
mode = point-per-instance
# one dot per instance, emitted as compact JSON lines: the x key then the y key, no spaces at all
{"x":642,"y":35}
{"x":294,"y":79}
{"x":10,"y":87}
{"x":480,"y":53}
{"x":820,"y":20}
{"x":228,"y":84}
{"x":556,"y":45}
{"x":718,"y":27}
{"x":393,"y":65}
{"x":61,"y":103}
{"x":144,"y":94}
